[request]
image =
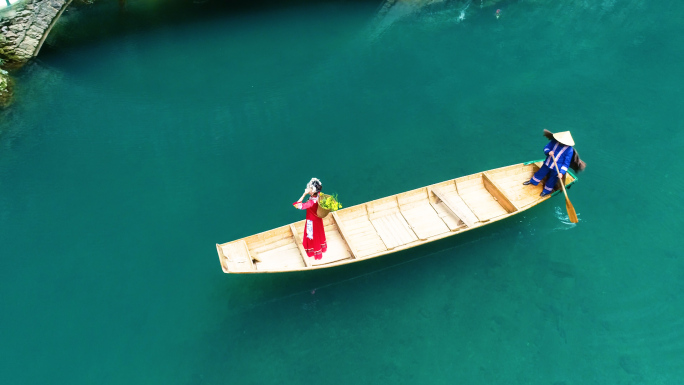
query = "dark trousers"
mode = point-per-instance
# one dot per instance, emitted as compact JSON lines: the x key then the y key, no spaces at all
{"x":539,"y":175}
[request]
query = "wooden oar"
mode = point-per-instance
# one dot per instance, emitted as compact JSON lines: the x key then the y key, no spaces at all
{"x":568,"y":206}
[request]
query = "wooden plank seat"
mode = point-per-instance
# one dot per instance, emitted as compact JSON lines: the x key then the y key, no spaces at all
{"x":236,"y":256}
{"x":300,"y":246}
{"x":416,"y":208}
{"x":457,"y":206}
{"x":425,"y":221}
{"x":498,"y":193}
{"x":394,"y":230}
{"x":359,"y":231}
{"x":476,"y":196}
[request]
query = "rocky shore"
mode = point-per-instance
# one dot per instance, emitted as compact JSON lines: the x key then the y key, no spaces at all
{"x":5,"y":89}
{"x":23,"y":28}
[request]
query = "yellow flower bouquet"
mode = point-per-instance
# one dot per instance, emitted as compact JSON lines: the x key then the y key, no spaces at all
{"x":326,"y":204}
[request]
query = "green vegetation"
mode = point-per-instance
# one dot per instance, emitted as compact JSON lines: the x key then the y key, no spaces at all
{"x":5,"y":89}
{"x":329,"y":202}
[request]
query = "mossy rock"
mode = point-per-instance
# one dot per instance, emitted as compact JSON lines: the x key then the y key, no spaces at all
{"x":6,"y":88}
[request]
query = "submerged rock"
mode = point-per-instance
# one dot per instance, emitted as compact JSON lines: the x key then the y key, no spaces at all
{"x":5,"y":89}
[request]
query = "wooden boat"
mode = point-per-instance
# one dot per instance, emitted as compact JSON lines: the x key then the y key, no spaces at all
{"x":394,"y":223}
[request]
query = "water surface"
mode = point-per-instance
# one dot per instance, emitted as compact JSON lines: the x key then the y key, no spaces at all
{"x":138,"y":141}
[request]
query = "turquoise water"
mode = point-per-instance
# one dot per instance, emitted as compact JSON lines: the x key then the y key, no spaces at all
{"x":138,"y":141}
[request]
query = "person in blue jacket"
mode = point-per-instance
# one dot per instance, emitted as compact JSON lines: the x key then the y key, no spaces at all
{"x":561,"y":147}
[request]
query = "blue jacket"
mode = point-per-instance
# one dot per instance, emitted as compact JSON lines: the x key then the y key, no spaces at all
{"x":562,"y":153}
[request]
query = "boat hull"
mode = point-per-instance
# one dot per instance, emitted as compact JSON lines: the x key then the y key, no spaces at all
{"x":393,"y":223}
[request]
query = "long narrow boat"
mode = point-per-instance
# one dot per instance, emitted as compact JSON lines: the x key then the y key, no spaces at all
{"x":394,"y":223}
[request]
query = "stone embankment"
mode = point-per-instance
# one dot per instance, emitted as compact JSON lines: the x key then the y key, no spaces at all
{"x":23,"y":29}
{"x":25,"y":26}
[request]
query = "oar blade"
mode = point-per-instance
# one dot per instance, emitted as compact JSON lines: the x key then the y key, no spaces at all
{"x":571,"y":211}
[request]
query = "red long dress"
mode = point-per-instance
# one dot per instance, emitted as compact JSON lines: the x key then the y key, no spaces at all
{"x":314,"y":234}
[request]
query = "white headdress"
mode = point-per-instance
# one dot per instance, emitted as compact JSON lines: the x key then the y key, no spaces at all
{"x":314,"y":185}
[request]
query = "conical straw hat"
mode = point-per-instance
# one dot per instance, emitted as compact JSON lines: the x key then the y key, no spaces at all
{"x":564,"y":137}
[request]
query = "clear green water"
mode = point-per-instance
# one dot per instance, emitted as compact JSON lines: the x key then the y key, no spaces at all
{"x":138,"y":142}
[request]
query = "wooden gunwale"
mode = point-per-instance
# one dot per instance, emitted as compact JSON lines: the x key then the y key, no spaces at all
{"x":498,"y":192}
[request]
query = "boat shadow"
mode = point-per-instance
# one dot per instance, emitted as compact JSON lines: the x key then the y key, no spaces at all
{"x":413,"y":264}
{"x":280,"y":312}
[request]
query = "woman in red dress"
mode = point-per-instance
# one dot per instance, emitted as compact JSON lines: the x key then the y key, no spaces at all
{"x":314,"y":234}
